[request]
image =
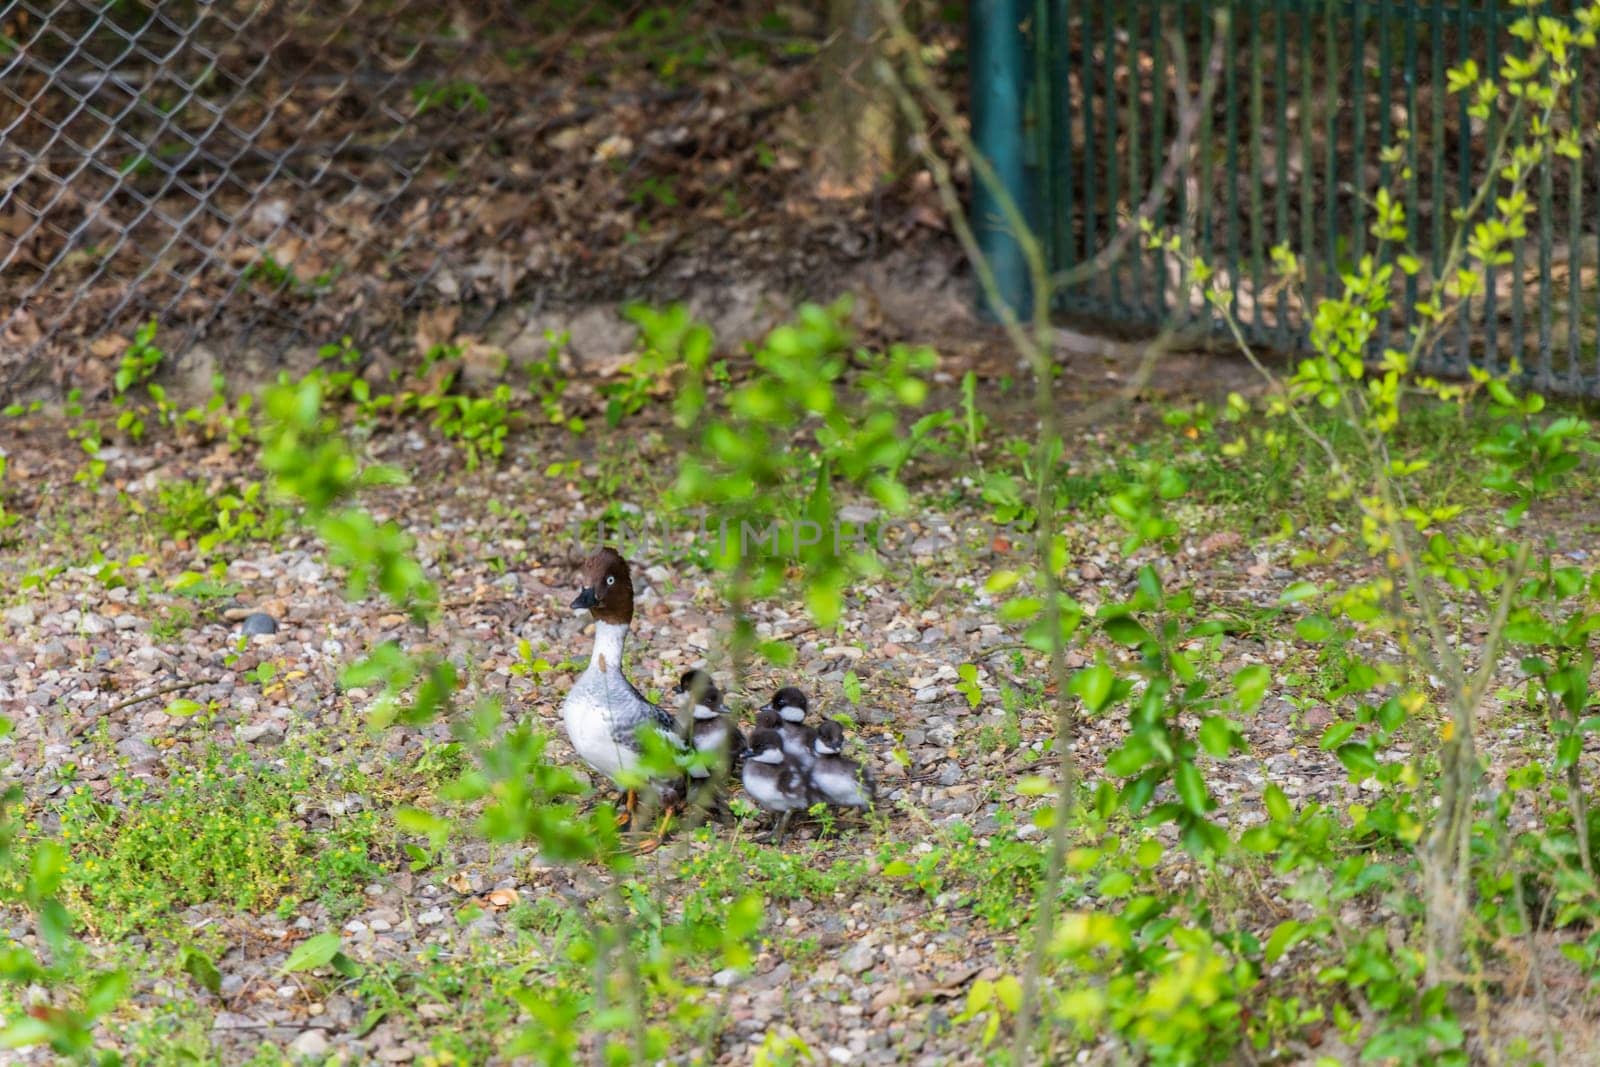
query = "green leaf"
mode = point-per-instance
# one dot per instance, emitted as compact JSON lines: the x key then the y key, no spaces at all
{"x":1314,"y":628}
{"x":1125,"y":630}
{"x":1358,"y":759}
{"x":1008,"y":991}
{"x":198,"y":965}
{"x":778,"y":653}
{"x":311,"y":953}
{"x":1297,"y":592}
{"x":106,"y":992}
{"x":1284,"y":935}
{"x":26,"y":1030}
{"x":1336,"y":734}
{"x":1115,"y":884}
{"x":344,"y":965}
{"x":45,"y":870}
{"x":1191,"y":786}
{"x":418,"y":821}
{"x":1093,"y":686}
{"x":1216,"y":736}
{"x":1250,"y":685}
{"x":1033,"y":785}
{"x":979,"y":996}
{"x":1277,"y":803}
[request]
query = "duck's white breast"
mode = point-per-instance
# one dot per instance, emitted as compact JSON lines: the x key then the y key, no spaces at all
{"x":588,"y":719}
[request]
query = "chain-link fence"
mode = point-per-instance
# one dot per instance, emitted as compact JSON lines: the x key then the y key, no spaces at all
{"x":261,"y":176}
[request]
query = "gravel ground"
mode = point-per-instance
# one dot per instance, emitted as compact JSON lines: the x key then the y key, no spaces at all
{"x":89,"y":660}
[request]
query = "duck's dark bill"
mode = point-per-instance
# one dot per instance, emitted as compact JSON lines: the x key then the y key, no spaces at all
{"x":585,"y":599}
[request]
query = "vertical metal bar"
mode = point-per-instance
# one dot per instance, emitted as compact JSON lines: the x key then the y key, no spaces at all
{"x":1059,"y":40}
{"x":1547,"y":199}
{"x":1230,"y":64}
{"x":1182,"y":204}
{"x":1108,"y":94}
{"x":1575,"y":382}
{"x":1458,"y":359}
{"x":1593,"y":364}
{"x":1491,"y":274}
{"x":1135,"y":75}
{"x":1330,"y":179}
{"x":1258,"y":273}
{"x":1436,"y":145}
{"x":1413,"y":196}
{"x":1280,"y":116}
{"x":1308,"y":203}
{"x":1041,"y":117}
{"x":997,"y":121}
{"x":1358,"y":129}
{"x":1086,"y":80}
{"x":1158,"y":138}
{"x":1385,"y":334}
{"x":1204,"y":208}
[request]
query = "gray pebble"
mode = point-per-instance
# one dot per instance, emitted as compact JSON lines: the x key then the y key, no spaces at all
{"x":858,"y":957}
{"x":311,"y":1045}
{"x":258,"y":622}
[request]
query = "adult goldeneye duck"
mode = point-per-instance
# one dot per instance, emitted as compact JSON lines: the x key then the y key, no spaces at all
{"x":604,"y":714}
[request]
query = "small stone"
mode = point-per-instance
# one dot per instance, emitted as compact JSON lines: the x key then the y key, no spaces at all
{"x":928,"y":694}
{"x":50,"y":655}
{"x":138,"y":749}
{"x":396,"y":1054}
{"x":839,"y":1054}
{"x":725,"y":978}
{"x":258,"y":622}
{"x":431,"y":917}
{"x":269,"y":732}
{"x":21,"y":615}
{"x":309,"y":1045}
{"x":94,"y":624}
{"x":858,"y":957}
{"x":228,"y":1020}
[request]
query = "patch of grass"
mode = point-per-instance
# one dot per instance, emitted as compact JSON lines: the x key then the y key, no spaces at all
{"x":230,"y":832}
{"x":730,"y":868}
{"x":173,"y":621}
{"x":997,"y":878}
{"x":191,"y":508}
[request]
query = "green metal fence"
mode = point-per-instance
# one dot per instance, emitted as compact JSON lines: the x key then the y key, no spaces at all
{"x":1307,"y":96}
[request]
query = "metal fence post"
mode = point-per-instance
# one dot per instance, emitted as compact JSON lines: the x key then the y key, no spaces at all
{"x":998,"y":102}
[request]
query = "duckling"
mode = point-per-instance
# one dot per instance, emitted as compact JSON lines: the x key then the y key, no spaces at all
{"x":789,"y":706}
{"x":839,"y":780}
{"x":773,"y":781}
{"x":604,"y":714}
{"x":712,"y":728}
